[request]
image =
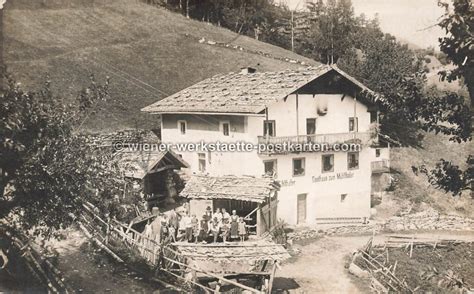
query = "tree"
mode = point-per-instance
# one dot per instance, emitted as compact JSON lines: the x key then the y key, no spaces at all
{"x":396,"y":72}
{"x":458,"y":46}
{"x":47,"y":168}
{"x":332,"y":30}
{"x":450,"y":177}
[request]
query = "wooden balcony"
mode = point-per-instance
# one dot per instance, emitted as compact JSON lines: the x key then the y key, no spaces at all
{"x":329,"y":139}
{"x":380,"y":166}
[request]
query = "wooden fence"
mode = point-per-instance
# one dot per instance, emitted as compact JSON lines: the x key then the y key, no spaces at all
{"x":138,"y":243}
{"x":38,"y":267}
{"x":161,"y":256}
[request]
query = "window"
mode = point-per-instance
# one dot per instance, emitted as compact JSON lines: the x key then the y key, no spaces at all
{"x":202,"y":162}
{"x":182,"y":126}
{"x":373,"y":116}
{"x":225,"y":128}
{"x":343,"y":197}
{"x":353,"y":124}
{"x":310,"y":126}
{"x":298,"y":166}
{"x":377,"y":152}
{"x":270,"y":167}
{"x":269,"y":128}
{"x":328,"y":163}
{"x":353,"y":160}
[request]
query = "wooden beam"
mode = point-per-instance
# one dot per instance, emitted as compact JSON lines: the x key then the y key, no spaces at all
{"x":252,"y":212}
{"x":160,"y":169}
{"x":272,"y":277}
{"x":220,"y":278}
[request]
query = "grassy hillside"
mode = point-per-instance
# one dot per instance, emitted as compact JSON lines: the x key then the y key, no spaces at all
{"x":148,"y":52}
{"x":413,"y":190}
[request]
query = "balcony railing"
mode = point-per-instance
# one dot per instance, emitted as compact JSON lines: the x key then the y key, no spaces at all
{"x":380,"y":166}
{"x":329,"y":139}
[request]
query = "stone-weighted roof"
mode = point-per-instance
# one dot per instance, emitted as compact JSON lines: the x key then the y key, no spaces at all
{"x":241,"y":92}
{"x":232,"y":258}
{"x":229,"y":187}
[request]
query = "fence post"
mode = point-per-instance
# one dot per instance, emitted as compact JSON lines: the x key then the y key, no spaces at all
{"x":107,"y":228}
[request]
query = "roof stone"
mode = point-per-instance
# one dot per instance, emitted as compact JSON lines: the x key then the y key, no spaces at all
{"x":242,"y":93}
{"x":229,"y":187}
{"x":237,"y":92}
{"x":232,"y":258}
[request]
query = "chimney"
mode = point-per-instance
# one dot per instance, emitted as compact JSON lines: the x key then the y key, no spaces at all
{"x":247,"y":70}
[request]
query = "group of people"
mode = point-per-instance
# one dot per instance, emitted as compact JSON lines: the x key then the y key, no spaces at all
{"x":211,"y":227}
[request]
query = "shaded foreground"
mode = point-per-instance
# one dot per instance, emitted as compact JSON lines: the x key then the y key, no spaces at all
{"x":433,"y":270}
{"x":89,"y":270}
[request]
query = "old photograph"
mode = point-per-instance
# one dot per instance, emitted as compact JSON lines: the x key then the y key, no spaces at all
{"x":236,"y":146}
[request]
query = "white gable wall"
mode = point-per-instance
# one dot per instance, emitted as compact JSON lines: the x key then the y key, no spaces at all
{"x":336,"y":120}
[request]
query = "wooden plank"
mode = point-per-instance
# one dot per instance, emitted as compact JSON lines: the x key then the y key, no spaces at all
{"x":102,"y":246}
{"x":186,"y":280}
{"x":215,"y":276}
{"x":272,"y":277}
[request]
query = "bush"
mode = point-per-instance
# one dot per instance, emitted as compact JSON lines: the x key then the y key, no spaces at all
{"x":279,"y":233}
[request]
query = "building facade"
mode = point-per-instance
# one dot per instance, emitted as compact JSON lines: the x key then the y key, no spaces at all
{"x":272,"y":111}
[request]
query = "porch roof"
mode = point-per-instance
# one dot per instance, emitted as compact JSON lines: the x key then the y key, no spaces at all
{"x":230,"y":187}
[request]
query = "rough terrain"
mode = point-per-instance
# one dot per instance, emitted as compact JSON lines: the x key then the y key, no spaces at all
{"x":319,"y":267}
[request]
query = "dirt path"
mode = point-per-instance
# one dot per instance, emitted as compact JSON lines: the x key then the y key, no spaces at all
{"x":319,"y":268}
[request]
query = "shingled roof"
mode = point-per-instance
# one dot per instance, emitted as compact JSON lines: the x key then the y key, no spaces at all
{"x":230,"y":258}
{"x":138,"y":163}
{"x":229,"y":187}
{"x":243,"y":93}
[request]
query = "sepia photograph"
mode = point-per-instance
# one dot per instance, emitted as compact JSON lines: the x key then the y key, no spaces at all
{"x":237,"y":146}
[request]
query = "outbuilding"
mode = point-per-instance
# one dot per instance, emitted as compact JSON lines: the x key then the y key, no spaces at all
{"x":253,"y":198}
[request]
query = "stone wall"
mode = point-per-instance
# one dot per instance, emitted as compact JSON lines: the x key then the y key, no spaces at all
{"x":429,"y":219}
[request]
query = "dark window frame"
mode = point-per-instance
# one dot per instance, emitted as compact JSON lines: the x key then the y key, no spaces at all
{"x":323,"y":161}
{"x":349,"y":167}
{"x":265,"y":128}
{"x":303,"y":166}
{"x":355,"y":124}
{"x":182,"y":130}
{"x":202,"y":162}
{"x":275,"y":166}
{"x":343,"y":197}
{"x":223,"y":129}
{"x":307,"y":120}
